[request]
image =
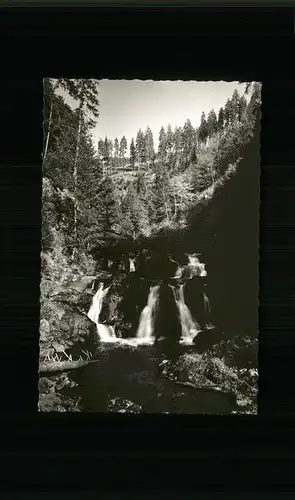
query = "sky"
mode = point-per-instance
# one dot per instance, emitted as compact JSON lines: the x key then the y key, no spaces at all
{"x":128,"y":105}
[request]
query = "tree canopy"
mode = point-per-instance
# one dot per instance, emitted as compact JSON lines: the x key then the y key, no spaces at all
{"x":93,"y":204}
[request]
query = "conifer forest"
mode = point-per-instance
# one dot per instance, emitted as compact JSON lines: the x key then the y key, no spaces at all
{"x":149,"y":260}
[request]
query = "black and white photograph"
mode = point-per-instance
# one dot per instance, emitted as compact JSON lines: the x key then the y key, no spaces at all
{"x":149,"y":285}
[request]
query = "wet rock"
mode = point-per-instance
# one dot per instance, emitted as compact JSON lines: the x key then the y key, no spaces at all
{"x":207,"y":338}
{"x":167,"y":324}
{"x":59,"y":348}
{"x":46,"y":385}
{"x":80,"y":325}
{"x":63,"y":325}
{"x":72,"y":327}
{"x":83,"y":283}
{"x":71,"y":299}
{"x":123,"y":406}
{"x":49,"y":402}
{"x":243,"y":402}
{"x":44,"y":329}
{"x":57,"y":402}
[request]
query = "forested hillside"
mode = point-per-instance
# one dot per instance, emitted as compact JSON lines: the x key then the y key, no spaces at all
{"x":108,"y":205}
{"x":97,"y":196}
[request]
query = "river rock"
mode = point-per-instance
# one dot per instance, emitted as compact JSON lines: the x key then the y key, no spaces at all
{"x":243,"y":402}
{"x":59,"y":348}
{"x":74,"y":326}
{"x":81,"y":284}
{"x":44,"y":329}
{"x":50,"y":402}
{"x":64,"y":325}
{"x":46,"y":385}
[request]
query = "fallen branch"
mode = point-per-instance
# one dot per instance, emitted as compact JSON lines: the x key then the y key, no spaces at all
{"x":61,"y":366}
{"x":206,"y":388}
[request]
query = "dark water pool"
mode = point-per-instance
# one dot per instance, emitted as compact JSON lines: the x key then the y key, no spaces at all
{"x":127,"y":375}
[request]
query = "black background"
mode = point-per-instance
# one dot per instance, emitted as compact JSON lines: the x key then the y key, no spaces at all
{"x":79,"y":451}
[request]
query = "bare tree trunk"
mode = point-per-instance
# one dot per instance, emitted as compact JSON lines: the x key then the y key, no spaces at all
{"x":48,"y":131}
{"x":46,"y":367}
{"x":175,"y":205}
{"x":50,"y":121}
{"x":166,"y":207}
{"x":75,"y":175}
{"x":212,"y":175}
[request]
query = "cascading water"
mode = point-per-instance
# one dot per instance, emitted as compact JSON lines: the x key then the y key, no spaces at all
{"x":207,"y":308}
{"x":188,"y":326}
{"x":193,"y":268}
{"x":106,"y":333}
{"x":145,"y":330}
{"x":146,"y":322}
{"x":131,"y":265}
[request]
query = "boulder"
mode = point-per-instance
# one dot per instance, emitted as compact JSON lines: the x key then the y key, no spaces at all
{"x":44,"y":329}
{"x":73,"y":327}
{"x":64,"y":325}
{"x":83,"y":283}
{"x":59,"y":348}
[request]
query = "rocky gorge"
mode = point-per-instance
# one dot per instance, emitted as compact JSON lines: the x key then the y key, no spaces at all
{"x":127,"y":324}
{"x":136,"y":369}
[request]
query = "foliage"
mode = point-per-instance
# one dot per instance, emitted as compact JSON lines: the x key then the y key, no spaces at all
{"x":91,"y":205}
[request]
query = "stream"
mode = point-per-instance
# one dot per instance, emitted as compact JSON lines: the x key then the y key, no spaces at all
{"x":153,"y":364}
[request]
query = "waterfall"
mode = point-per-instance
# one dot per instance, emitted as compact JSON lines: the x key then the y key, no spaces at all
{"x":189,"y":327}
{"x":193,"y":268}
{"x":131,"y":265}
{"x":207,"y":308}
{"x":106,"y":333}
{"x":146,"y":322}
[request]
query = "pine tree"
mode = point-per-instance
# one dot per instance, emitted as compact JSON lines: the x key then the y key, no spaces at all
{"x":89,"y":195}
{"x":242,"y":108}
{"x":49,"y":89}
{"x":116,"y":152}
{"x":211,"y":123}
{"x":220,"y":122}
{"x":50,"y":86}
{"x":108,"y":215}
{"x":253,"y":108}
{"x":203,"y":130}
{"x":85,"y":91}
{"x":111,"y":148}
{"x":127,"y":205}
{"x":134,"y":210}
{"x":162,"y":147}
{"x":188,"y":143}
{"x":228,"y":113}
{"x":140,"y":148}
{"x":235,"y":104}
{"x":161,"y":208}
{"x":149,"y":145}
{"x":106,"y":156}
{"x":181,"y":193}
{"x":123,"y":149}
{"x":177,"y":141}
{"x":132,"y":154}
{"x":101,"y":148}
{"x":169,"y":140}
{"x":58,"y":167}
{"x":57,"y":164}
